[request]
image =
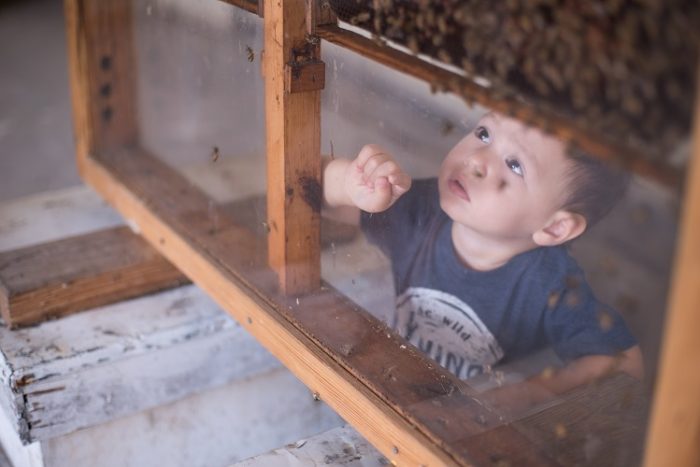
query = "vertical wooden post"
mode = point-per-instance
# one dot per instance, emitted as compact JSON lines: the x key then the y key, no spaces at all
{"x":674,"y":431}
{"x":293,"y":79}
{"x":102,"y":74}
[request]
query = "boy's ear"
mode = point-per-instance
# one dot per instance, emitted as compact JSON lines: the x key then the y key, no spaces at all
{"x":561,"y":227}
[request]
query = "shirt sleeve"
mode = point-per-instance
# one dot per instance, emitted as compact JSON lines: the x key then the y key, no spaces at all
{"x":577,"y":324}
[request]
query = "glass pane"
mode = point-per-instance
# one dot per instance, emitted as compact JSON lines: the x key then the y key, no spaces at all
{"x":201,"y":93}
{"x":202,"y":116}
{"x":493,"y":265}
{"x":366,"y":103}
{"x":502,"y":262}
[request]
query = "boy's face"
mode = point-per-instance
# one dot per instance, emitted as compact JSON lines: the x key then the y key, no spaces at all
{"x":504,"y":180}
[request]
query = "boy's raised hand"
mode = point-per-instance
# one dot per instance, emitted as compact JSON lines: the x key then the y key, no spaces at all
{"x":374,"y":181}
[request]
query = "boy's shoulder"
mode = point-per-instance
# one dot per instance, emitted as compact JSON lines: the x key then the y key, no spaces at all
{"x":551,"y":265}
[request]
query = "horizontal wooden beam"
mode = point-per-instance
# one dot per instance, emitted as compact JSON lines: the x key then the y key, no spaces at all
{"x":61,"y":277}
{"x":248,"y":5}
{"x":55,"y":279}
{"x":411,"y":409}
{"x":208,"y":263}
{"x":444,"y":80}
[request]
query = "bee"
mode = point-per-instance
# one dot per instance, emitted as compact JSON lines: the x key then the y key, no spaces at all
{"x":447,"y":127}
{"x":215,"y":153}
{"x":250,"y":52}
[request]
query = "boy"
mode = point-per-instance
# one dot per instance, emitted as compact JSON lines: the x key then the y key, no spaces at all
{"x":480,"y":269}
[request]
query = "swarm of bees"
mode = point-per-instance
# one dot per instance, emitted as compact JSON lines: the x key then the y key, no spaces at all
{"x":625,"y":69}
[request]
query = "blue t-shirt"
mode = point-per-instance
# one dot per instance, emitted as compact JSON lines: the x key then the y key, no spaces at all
{"x":469,"y":320}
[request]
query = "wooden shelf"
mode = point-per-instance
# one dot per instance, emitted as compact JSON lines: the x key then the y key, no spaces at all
{"x":413,"y":411}
{"x":410,"y":408}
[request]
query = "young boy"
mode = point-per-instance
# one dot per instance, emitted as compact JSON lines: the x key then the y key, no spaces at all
{"x":478,"y":257}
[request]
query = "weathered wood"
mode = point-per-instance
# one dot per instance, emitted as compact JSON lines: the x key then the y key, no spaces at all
{"x":305,"y":77}
{"x":54,"y":279}
{"x":339,"y":446}
{"x":406,"y":405}
{"x":674,"y":434}
{"x":293,"y":150}
{"x":600,"y":424}
{"x":318,"y":12}
{"x":119,"y":352}
{"x":444,"y":80}
{"x":357,"y":365}
{"x":229,"y":264}
{"x":209,"y":428}
{"x":248,"y":5}
{"x":58,"y":278}
{"x":596,"y":425}
{"x":102,"y":74}
{"x":500,"y":446}
{"x":111,"y":360}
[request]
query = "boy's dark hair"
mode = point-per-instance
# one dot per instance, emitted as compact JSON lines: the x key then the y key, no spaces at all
{"x":595,"y":186}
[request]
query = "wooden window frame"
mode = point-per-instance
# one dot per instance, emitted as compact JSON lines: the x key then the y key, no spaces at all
{"x":413,"y":411}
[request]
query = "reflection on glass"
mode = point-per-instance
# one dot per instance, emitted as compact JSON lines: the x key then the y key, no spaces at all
{"x":478,"y":254}
{"x":504,"y":275}
{"x":201,"y":101}
{"x":486,"y":235}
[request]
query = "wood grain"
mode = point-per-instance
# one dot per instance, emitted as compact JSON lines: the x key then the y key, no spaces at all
{"x":318,"y":12}
{"x":58,"y":278}
{"x":102,"y":75}
{"x":674,"y":434}
{"x":305,"y":77}
{"x":293,"y":124}
{"x":61,"y":277}
{"x":121,"y":359}
{"x":247,"y":5}
{"x":444,"y":80}
{"x":182,"y":231}
{"x":601,"y":424}
{"x":411,"y":409}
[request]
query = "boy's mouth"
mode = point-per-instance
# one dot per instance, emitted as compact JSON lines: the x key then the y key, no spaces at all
{"x":458,"y":189}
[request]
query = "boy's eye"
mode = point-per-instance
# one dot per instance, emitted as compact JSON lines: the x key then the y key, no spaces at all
{"x":482,"y":134}
{"x":514,"y":166}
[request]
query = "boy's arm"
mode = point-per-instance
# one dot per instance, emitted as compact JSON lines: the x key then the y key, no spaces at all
{"x":512,"y":399}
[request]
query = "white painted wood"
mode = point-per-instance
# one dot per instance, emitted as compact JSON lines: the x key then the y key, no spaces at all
{"x":213,"y":428}
{"x":162,"y":378}
{"x":93,"y":366}
{"x":335,"y":447}
{"x":13,"y":453}
{"x":10,"y":402}
{"x":97,"y":365}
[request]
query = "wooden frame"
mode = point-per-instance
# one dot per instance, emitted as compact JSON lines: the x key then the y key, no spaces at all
{"x":414,"y":412}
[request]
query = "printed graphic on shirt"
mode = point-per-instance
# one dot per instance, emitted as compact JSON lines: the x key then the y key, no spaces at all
{"x":447,"y":330}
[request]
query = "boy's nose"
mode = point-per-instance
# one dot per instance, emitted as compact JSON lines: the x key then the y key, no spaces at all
{"x":477,"y":166}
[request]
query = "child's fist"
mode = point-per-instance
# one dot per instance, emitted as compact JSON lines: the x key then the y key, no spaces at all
{"x":374,"y":181}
